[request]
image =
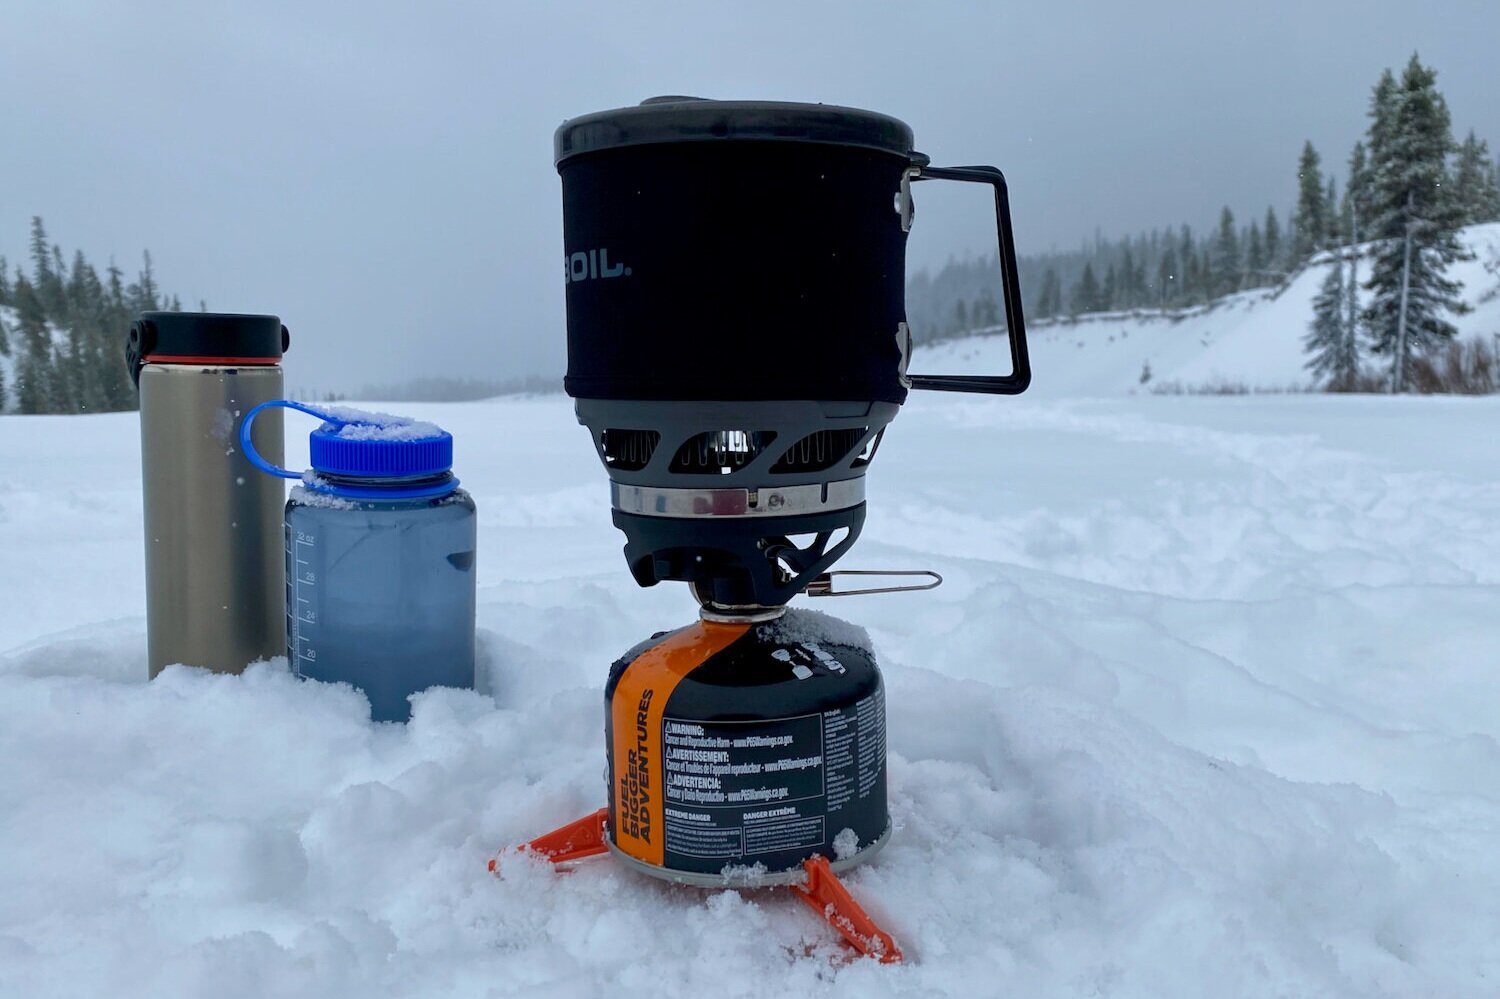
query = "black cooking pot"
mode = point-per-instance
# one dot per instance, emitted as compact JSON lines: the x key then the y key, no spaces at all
{"x":740,"y":250}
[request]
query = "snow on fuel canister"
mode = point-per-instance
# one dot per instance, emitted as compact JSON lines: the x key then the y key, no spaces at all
{"x":738,"y":750}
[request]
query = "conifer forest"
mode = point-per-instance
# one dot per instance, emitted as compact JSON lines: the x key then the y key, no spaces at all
{"x":66,"y":344}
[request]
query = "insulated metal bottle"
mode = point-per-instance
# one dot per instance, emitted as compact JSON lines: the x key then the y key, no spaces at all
{"x":215,"y":569}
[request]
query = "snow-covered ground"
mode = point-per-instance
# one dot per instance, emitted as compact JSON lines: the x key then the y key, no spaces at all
{"x":1208,"y":705}
{"x":1253,"y":339}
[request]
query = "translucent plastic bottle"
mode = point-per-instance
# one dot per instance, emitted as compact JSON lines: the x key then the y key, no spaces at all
{"x":380,"y":559}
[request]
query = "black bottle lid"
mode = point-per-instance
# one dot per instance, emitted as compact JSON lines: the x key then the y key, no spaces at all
{"x":204,"y":338}
{"x":694,"y":119}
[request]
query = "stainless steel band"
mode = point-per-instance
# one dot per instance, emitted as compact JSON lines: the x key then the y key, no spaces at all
{"x":763,"y":501}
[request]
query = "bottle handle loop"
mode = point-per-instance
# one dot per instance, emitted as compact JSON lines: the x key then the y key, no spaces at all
{"x":254,"y":456}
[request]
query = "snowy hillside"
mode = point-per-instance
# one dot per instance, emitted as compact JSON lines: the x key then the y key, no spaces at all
{"x":1207,"y":706}
{"x":1252,"y":339}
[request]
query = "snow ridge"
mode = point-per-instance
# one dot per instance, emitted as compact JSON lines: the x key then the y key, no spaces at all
{"x":1251,"y":339}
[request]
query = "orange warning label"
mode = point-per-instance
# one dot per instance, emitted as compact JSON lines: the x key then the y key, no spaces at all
{"x":640,"y":698}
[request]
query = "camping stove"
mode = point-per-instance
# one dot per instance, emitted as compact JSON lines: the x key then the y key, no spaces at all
{"x":737,"y":347}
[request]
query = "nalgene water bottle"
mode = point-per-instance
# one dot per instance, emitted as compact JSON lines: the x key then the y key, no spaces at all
{"x":379,"y":558}
{"x":214,"y":568}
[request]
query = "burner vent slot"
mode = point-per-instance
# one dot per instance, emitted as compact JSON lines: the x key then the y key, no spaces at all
{"x":868,"y":451}
{"x":628,"y":450}
{"x":720,"y":451}
{"x":820,"y":450}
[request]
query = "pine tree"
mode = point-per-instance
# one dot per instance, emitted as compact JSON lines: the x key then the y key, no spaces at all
{"x":89,"y":350}
{"x":1357,"y":193}
{"x":1192,"y":279}
{"x":1187,"y":266}
{"x":45,"y":280}
{"x":1382,"y":124}
{"x":1474,"y":181}
{"x":1049,"y":303}
{"x":4,"y":342}
{"x":119,"y":388}
{"x":1351,"y":309}
{"x":1331,"y":345}
{"x":1273,"y":244}
{"x":1414,"y":221}
{"x":1309,"y":222}
{"x":1126,"y":298}
{"x":986,"y":313}
{"x":143,"y":294}
{"x":960,"y":317}
{"x":1051,"y":299}
{"x":1332,"y":229}
{"x":1224,"y":264}
{"x":37,"y":389}
{"x":5,"y":292}
{"x":1346,"y":221}
{"x":1255,"y":258}
{"x":1109,"y":295}
{"x":1166,"y":277}
{"x":1085,"y":297}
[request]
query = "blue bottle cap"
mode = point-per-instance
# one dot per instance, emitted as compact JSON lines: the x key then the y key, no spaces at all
{"x":399,"y":448}
{"x":370,"y":446}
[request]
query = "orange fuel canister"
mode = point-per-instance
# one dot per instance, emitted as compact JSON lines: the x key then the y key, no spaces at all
{"x":738,"y":749}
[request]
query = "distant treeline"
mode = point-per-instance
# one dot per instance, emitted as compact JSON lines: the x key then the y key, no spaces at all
{"x":1178,"y":268}
{"x":67,"y":343}
{"x":1163,"y":268}
{"x":458,"y":389}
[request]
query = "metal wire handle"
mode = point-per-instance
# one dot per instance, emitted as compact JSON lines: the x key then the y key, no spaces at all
{"x":822,"y":586}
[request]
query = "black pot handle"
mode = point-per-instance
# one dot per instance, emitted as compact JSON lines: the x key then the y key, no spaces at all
{"x":1020,"y":377}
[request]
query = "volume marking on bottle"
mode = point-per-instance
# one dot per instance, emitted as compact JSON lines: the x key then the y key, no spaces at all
{"x":304,"y":579}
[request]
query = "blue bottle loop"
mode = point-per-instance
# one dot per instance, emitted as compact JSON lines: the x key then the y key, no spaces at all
{"x":418,"y":465}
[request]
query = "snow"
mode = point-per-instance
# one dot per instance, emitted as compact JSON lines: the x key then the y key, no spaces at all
{"x":1205,"y":706}
{"x":799,"y":626}
{"x":313,"y":493}
{"x":1251,"y":340}
{"x":363,"y":425}
{"x":845,"y":844}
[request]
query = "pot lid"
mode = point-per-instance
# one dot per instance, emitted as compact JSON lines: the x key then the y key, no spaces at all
{"x":672,"y":119}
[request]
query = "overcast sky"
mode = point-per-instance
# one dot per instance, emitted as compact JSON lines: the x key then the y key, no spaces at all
{"x":380,"y":174}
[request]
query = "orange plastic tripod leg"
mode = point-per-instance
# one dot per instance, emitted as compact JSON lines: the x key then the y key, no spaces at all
{"x":826,"y":895}
{"x":574,"y":841}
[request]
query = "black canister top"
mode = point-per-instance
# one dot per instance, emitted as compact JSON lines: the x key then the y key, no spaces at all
{"x":204,"y":338}
{"x":695,"y":119}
